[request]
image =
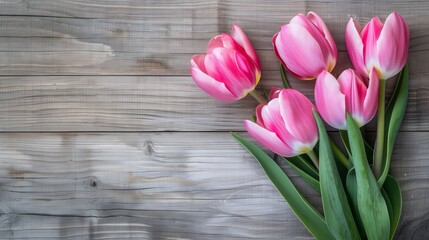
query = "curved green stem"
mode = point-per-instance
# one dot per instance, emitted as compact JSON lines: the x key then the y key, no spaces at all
{"x":384,"y":174}
{"x":258,"y":97}
{"x":379,"y":144}
{"x":314,"y":158}
{"x":340,"y":155}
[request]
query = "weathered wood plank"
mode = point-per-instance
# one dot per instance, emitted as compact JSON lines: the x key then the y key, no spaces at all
{"x":160,"y":185}
{"x":141,"y":38}
{"x":154,"y":186}
{"x":147,"y":186}
{"x":93,"y":103}
{"x":114,"y":104}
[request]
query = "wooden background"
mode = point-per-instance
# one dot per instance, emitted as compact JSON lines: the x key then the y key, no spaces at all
{"x":105,"y":136}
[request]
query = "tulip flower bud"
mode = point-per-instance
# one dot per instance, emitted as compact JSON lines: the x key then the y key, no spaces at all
{"x":305,"y":46}
{"x":230,"y":69}
{"x":347,"y":95}
{"x":286,"y":124}
{"x":380,"y":46}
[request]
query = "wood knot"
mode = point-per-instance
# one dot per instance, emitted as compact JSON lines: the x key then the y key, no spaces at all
{"x":148,"y":145}
{"x":118,"y":32}
{"x":92,"y":183}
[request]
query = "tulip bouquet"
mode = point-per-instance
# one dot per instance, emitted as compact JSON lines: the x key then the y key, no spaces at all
{"x":360,"y":199}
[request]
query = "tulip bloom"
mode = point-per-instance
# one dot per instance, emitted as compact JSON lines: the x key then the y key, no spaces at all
{"x":347,"y":95}
{"x":230,"y":69}
{"x":286,"y":124}
{"x":305,"y":46}
{"x":380,"y":46}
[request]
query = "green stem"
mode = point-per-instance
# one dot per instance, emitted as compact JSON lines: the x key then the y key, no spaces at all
{"x":314,"y":158}
{"x":258,"y":97}
{"x":379,"y":144}
{"x":384,"y":174}
{"x":340,"y":155}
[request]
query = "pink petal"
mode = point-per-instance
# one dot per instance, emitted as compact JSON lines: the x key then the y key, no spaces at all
{"x":370,"y":34}
{"x":355,"y":92}
{"x":330,"y":101}
{"x":221,"y":64}
{"x":258,"y":112}
{"x":247,"y":69}
{"x":268,"y":139}
{"x":392,"y":45}
{"x":371,"y":99}
{"x":274,"y":93}
{"x":320,"y":24}
{"x":355,"y":46}
{"x":273,"y":40}
{"x":240,"y":37}
{"x":315,"y":32}
{"x":197,"y":61}
{"x":214,"y":43}
{"x":223,"y":41}
{"x":300,"y":52}
{"x":274,"y":122}
{"x":296,"y":111}
{"x":212,"y":87}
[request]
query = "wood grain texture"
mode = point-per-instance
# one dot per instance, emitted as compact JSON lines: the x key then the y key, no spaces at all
{"x":144,"y":186}
{"x":147,"y":103}
{"x":143,"y":38}
{"x":151,"y":186}
{"x":74,"y":72}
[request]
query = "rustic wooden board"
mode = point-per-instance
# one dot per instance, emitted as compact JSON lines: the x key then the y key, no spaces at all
{"x":149,"y":103}
{"x":146,"y":186}
{"x":72,"y":73}
{"x":152,"y":186}
{"x":138,"y":38}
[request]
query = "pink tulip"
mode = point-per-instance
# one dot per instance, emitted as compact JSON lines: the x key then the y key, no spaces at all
{"x":383,"y":47}
{"x":274,"y":92}
{"x":347,"y":95}
{"x":305,"y":46}
{"x":286,"y":124}
{"x":230,"y":69}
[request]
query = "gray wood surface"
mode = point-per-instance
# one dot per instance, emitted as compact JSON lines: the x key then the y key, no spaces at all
{"x":103,"y":135}
{"x":150,"y":185}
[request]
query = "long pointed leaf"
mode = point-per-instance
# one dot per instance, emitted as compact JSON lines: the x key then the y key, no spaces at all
{"x":304,"y":163}
{"x":394,"y":115}
{"x":311,"y":180}
{"x":393,"y":193}
{"x":371,"y":204}
{"x":351,"y":184}
{"x":402,"y":75}
{"x":345,"y":139}
{"x":305,"y":212}
{"x":337,"y":211}
{"x":368,"y":149}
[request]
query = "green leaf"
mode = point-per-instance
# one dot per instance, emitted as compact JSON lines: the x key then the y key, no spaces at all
{"x":304,"y":171}
{"x":392,"y":193}
{"x":368,"y":149}
{"x":394,"y":114}
{"x":345,"y":139}
{"x":351,"y":184}
{"x":305,"y":212}
{"x":402,"y":76}
{"x":371,"y":205}
{"x":337,"y":211}
{"x":305,"y":164}
{"x":369,"y":153}
{"x":284,"y":77}
{"x":266,"y":94}
{"x":254,"y":118}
